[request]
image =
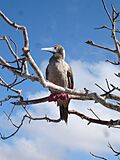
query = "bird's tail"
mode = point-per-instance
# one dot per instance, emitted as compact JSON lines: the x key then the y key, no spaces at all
{"x":64,"y":113}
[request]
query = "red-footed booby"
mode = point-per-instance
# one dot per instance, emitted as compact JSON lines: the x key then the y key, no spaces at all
{"x":59,"y":72}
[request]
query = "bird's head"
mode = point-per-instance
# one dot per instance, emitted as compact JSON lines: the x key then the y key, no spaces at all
{"x":58,"y":51}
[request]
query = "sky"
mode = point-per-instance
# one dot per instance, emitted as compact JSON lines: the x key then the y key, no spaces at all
{"x":70,"y":23}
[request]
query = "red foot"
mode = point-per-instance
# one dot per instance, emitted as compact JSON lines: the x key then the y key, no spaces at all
{"x":55,"y":96}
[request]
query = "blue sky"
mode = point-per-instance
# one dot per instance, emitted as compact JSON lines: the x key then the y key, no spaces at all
{"x":70,"y":23}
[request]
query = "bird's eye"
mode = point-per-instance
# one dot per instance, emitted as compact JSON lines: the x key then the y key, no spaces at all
{"x":55,"y":47}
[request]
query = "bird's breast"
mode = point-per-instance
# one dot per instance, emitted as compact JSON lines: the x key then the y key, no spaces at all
{"x":57,"y":73}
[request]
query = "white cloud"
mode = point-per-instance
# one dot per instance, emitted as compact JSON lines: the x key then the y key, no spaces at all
{"x":26,"y":149}
{"x":42,"y":140}
{"x":87,"y":74}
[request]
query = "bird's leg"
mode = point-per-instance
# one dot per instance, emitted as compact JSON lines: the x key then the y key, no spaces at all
{"x":55,"y":96}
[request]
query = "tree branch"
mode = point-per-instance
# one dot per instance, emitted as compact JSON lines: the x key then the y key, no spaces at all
{"x":80,"y":96}
{"x":111,"y":123}
{"x":4,"y":84}
{"x":100,"y":46}
{"x":106,"y":10}
{"x":99,"y":157}
{"x":18,"y":27}
{"x":116,"y":152}
{"x":15,"y":72}
{"x":106,"y":27}
{"x":116,"y":42}
{"x":22,"y":122}
{"x":10,"y":47}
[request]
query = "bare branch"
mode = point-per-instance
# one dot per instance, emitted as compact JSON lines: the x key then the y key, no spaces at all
{"x":94,"y":113}
{"x":117,"y":88}
{"x":23,"y":75}
{"x":109,"y":90}
{"x":15,"y":80}
{"x":18,"y":27}
{"x":112,"y":97}
{"x":116,"y":42}
{"x":10,"y":120}
{"x":114,"y":63}
{"x":10,"y":97}
{"x":28,"y":102}
{"x":11,"y":112}
{"x":22,"y":121}
{"x":107,"y":12}
{"x":10,"y":47}
{"x":25,"y":36}
{"x":78,"y":95}
{"x":107,"y":94}
{"x":4,"y":84}
{"x":113,"y":19}
{"x":111,"y":123}
{"x":99,"y":157}
{"x":106,"y":27}
{"x":16,"y":51}
{"x":14,"y":84}
{"x":108,"y":85}
{"x":100,"y":46}
{"x":116,"y":152}
{"x":16,"y":48}
{"x":100,"y":87}
{"x":118,"y":75}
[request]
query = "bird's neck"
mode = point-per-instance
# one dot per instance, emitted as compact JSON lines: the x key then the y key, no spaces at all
{"x":56,"y":58}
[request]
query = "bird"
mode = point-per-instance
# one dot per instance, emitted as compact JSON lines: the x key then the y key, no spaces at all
{"x":60,"y":73}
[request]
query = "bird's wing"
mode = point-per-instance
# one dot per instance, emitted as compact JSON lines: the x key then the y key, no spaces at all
{"x":47,"y":73}
{"x":70,"y":78}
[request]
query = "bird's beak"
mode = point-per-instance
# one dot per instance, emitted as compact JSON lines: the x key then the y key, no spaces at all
{"x":51,"y":49}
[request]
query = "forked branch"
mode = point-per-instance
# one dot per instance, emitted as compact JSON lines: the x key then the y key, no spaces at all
{"x":111,"y":123}
{"x":113,"y":20}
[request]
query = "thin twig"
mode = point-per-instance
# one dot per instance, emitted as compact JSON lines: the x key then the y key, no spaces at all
{"x":30,"y":118}
{"x":110,"y":123}
{"x":117,"y":88}
{"x":114,"y":63}
{"x":10,"y":120}
{"x":4,"y":84}
{"x":106,"y":27}
{"x":100,"y":87}
{"x":116,"y":152}
{"x":9,"y":46}
{"x":16,"y":51}
{"x":16,"y":47}
{"x":108,"y":84}
{"x":98,"y":156}
{"x":11,"y":112}
{"x":12,"y":85}
{"x":15,"y":80}
{"x":94,"y":113}
{"x":107,"y":12}
{"x":23,"y":28}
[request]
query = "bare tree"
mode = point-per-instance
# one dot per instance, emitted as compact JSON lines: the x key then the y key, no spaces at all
{"x":21,"y":73}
